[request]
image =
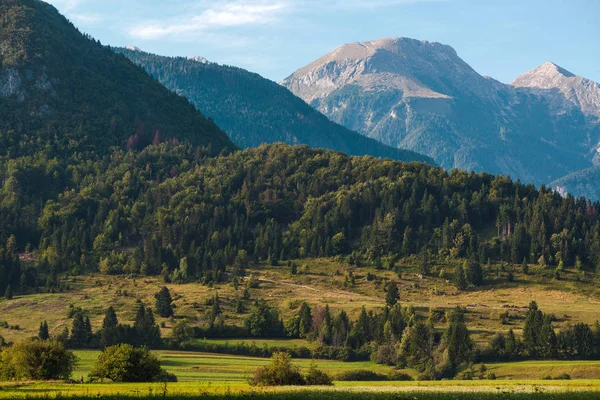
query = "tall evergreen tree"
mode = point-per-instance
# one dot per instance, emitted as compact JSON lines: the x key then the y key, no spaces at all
{"x":8,"y":294}
{"x":164,"y":303}
{"x":109,"y":335}
{"x":43,"y":332}
{"x":459,"y":277}
{"x":392,"y":295}
{"x":305,"y":316}
{"x":81,"y":331}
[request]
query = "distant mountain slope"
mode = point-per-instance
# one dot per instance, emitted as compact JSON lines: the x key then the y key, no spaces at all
{"x":63,"y":92}
{"x":581,"y":183}
{"x":422,"y":96}
{"x":255,"y":110}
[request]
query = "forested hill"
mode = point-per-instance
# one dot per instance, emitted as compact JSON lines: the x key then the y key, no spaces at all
{"x":149,"y":211}
{"x":62,"y":92}
{"x":254,"y":110}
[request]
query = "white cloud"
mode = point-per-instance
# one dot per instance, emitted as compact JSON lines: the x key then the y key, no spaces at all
{"x":86,"y":19}
{"x":65,"y":5}
{"x":222,"y":15}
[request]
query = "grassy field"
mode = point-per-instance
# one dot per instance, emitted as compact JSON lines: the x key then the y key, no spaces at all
{"x":205,"y":367}
{"x":364,"y":390}
{"x":220,"y":368}
{"x":224,"y":377}
{"x":322,"y":281}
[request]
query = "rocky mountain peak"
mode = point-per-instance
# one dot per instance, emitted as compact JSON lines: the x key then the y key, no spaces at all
{"x":545,"y":76}
{"x":417,"y":68}
{"x":133,"y":48}
{"x":562,"y":87}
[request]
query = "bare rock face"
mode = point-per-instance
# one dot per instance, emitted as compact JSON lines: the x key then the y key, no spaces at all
{"x":422,"y":96}
{"x":199,"y":59}
{"x":10,"y":82}
{"x":563,"y":88}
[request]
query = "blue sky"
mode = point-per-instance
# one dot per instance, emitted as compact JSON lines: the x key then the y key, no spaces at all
{"x":499,"y":38}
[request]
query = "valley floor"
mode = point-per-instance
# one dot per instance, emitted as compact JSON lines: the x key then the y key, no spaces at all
{"x":202,"y":374}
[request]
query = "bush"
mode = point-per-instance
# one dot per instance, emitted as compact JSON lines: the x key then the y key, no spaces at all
{"x":124,"y":363}
{"x":316,"y":377}
{"x":363,"y":375}
{"x":279,"y":372}
{"x":563,"y":376}
{"x":396,"y":376}
{"x":36,"y":360}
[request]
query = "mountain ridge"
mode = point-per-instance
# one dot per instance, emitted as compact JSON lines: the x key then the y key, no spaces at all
{"x":422,"y":96}
{"x":255,"y":110}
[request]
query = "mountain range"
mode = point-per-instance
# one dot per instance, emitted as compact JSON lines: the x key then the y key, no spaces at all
{"x":63,"y":93}
{"x":254,"y":110}
{"x":422,"y":96}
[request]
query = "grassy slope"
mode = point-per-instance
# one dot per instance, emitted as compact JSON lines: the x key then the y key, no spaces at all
{"x":569,"y":300}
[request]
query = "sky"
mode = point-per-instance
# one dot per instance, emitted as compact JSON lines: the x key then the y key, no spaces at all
{"x":498,"y":38}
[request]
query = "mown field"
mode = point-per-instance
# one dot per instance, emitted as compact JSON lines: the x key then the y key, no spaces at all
{"x":222,"y":376}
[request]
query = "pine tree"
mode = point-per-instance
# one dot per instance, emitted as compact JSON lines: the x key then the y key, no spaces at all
{"x":392,"y":294}
{"x":512,"y":346}
{"x":81,"y":331}
{"x":8,"y":294}
{"x":110,"y":328}
{"x":43,"y":332}
{"x":305,"y":316}
{"x":164,"y":303}
{"x":145,"y":328}
{"x":456,"y":338}
{"x":459,"y":278}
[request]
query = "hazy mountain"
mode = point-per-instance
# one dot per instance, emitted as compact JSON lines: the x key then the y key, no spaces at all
{"x":255,"y":110}
{"x":61,"y":91}
{"x":422,"y":96}
{"x":581,"y":183}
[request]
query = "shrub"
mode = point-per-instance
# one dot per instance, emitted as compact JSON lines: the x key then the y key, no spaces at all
{"x":396,"y":376}
{"x":563,"y":376}
{"x":36,"y":360}
{"x":279,"y":372}
{"x":124,"y":363}
{"x":316,"y":377}
{"x":363,"y":375}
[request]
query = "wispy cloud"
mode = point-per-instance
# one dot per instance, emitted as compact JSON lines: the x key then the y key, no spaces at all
{"x":73,"y":10}
{"x":66,"y":5}
{"x":222,"y":15}
{"x":86,"y":18}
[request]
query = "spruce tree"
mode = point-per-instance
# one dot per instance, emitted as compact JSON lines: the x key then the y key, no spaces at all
{"x":459,"y":278}
{"x":8,"y":294}
{"x":43,"y":332}
{"x":305,"y":316}
{"x":391,"y":294}
{"x":81,"y":331}
{"x":110,"y":328}
{"x":164,"y":303}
